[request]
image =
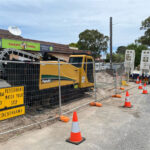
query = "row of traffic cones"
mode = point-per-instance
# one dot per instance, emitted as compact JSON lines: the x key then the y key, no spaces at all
{"x":75,"y":136}
{"x":138,"y":80}
{"x":127,"y":99}
{"x":144,"y":88}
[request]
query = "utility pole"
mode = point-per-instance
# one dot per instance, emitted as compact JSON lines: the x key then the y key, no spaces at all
{"x":110,"y":42}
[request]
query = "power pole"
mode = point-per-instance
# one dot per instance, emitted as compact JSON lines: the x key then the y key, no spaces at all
{"x":110,"y":42}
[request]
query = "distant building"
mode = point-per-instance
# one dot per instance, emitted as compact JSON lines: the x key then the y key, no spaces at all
{"x":62,"y":51}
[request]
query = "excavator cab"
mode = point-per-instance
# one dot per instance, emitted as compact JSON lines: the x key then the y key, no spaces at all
{"x":85,"y":63}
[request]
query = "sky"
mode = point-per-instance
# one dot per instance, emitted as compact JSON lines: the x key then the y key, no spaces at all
{"x":61,"y":21}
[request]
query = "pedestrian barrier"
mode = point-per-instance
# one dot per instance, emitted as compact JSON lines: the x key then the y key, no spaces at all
{"x":48,"y":91}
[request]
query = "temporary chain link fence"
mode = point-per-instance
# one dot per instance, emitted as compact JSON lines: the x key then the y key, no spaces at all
{"x":105,"y":83}
{"x":50,"y":90}
{"x":120,"y":76}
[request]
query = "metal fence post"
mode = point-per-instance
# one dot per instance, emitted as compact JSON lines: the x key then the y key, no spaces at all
{"x":60,"y":111}
{"x":115,"y":81}
{"x":120,"y":80}
{"x":121,"y":75}
{"x":95,"y":89}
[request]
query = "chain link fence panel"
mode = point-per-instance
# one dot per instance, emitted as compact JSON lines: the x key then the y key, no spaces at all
{"x":52,"y":89}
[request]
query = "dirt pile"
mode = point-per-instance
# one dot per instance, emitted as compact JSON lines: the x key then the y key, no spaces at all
{"x":104,"y":77}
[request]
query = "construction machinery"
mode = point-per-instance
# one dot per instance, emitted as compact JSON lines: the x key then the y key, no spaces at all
{"x":31,"y":76}
{"x":40,"y":78}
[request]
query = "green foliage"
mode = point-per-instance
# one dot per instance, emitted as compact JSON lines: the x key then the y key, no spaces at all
{"x":119,"y":55}
{"x":138,"y":50}
{"x":73,"y":45}
{"x":146,"y":24}
{"x":145,"y":39}
{"x":121,"y":50}
{"x":116,"y":58}
{"x":93,"y":40}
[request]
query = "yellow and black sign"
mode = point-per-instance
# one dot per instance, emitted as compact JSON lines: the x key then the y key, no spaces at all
{"x":10,"y":97}
{"x":10,"y":113}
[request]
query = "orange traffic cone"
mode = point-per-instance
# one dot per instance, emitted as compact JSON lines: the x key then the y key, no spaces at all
{"x":145,"y":89}
{"x":75,"y":136}
{"x":127,"y":101}
{"x":137,"y":80}
{"x":140,"y":85}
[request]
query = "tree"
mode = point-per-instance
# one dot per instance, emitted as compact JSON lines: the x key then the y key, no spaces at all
{"x":116,"y":58}
{"x":73,"y":45}
{"x":138,"y":50}
{"x":121,"y":50}
{"x":145,"y":39}
{"x":93,"y":40}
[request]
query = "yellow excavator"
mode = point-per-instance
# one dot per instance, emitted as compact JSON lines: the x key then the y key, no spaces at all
{"x":41,"y":79}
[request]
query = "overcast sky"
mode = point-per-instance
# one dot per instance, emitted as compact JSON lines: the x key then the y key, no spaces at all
{"x":61,"y":21}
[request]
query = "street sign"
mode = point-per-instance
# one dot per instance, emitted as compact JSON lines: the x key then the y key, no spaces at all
{"x":10,"y":97}
{"x":13,"y":112}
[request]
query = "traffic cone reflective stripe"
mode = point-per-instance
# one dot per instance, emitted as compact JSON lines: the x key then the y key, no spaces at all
{"x":75,"y":127}
{"x":75,"y":136}
{"x":127,"y":99}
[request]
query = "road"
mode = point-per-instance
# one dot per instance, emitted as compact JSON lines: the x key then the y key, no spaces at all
{"x":110,"y":127}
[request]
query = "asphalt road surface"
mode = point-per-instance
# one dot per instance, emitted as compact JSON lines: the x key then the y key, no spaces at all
{"x":110,"y":127}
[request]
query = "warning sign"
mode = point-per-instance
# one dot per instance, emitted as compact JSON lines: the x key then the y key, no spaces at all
{"x":10,"y":113}
{"x":10,"y":97}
